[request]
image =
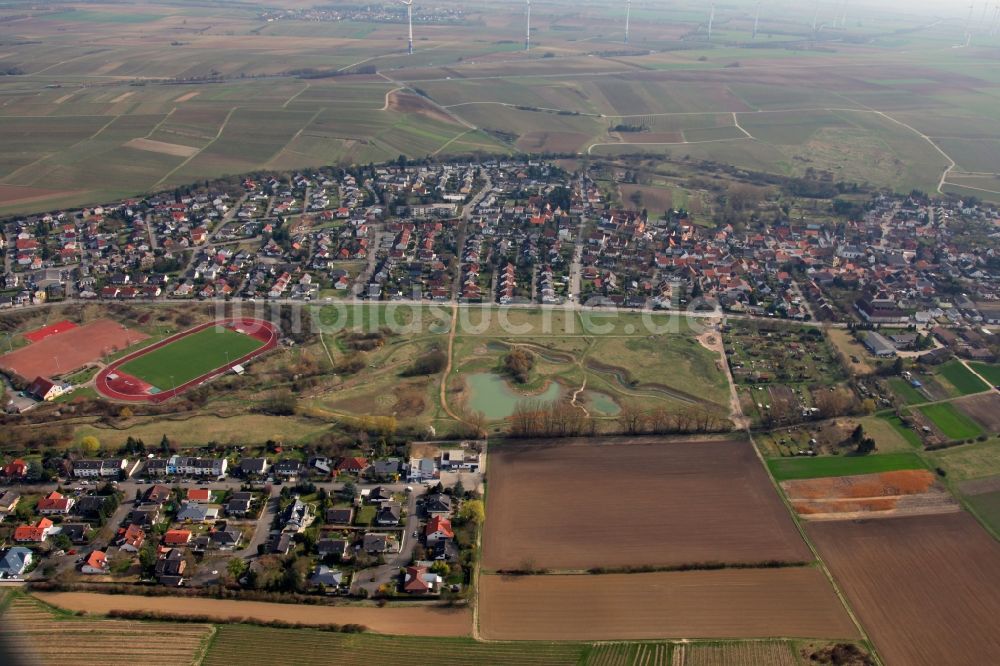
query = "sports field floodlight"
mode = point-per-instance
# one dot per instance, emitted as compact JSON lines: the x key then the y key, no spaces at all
{"x":409,"y":21}
{"x":628,"y":15}
{"x":527,"y":28}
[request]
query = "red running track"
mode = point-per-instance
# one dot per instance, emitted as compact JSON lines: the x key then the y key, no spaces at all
{"x":127,"y":388}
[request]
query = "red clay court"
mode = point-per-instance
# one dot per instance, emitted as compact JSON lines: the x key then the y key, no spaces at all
{"x":113,"y":382}
{"x":69,"y":350}
{"x":51,"y":329}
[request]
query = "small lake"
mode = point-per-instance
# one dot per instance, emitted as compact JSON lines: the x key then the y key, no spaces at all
{"x":493,"y":396}
{"x":602,"y":403}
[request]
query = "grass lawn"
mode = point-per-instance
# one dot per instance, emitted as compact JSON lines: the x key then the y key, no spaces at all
{"x":951,"y":422}
{"x":906,"y":393}
{"x":785,"y":469}
{"x":970,"y":461}
{"x":962,"y":378}
{"x":988,"y":370}
{"x":906,"y":433}
{"x":987,"y":506}
{"x":190,"y":357}
{"x":365,"y":515}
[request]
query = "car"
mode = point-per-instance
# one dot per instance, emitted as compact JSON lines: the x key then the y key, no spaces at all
{"x":415,"y":534}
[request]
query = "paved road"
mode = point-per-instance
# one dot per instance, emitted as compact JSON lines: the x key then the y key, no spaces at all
{"x":371,"y":579}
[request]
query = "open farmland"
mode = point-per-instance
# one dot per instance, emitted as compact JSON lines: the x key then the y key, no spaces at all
{"x":36,"y":633}
{"x":806,"y":467}
{"x":241,"y":644}
{"x":963,"y":379}
{"x":764,"y":653}
{"x":952,"y":423}
{"x":411,"y":620}
{"x":732,"y":603}
{"x":989,"y":371}
{"x":917,"y":583}
{"x":583,"y":504}
{"x":869,"y":495}
{"x":983,"y":409}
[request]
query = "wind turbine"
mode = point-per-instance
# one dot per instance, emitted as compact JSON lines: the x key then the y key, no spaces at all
{"x":711,"y":20}
{"x":628,"y":13}
{"x":968,"y":25}
{"x":815,"y":19}
{"x":409,"y":21}
{"x":756,"y":20}
{"x":527,"y":31}
{"x":843,"y":16}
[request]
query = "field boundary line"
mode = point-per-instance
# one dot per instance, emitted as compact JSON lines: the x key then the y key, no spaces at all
{"x":292,"y":98}
{"x":180,"y":166}
{"x":48,"y":155}
{"x":821,"y":565}
{"x":206,"y":645}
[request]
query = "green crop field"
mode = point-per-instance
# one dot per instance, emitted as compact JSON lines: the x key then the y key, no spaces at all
{"x":964,"y":381}
{"x":951,"y":422}
{"x":785,"y":469}
{"x":190,"y":357}
{"x":987,"y":507}
{"x":990,"y":371}
{"x":235,"y":644}
{"x":908,"y":394}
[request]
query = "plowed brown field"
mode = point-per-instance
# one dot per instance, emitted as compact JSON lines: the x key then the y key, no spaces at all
{"x":984,"y":408}
{"x":905,"y":491}
{"x":409,"y":620}
{"x":629,"y":502}
{"x":730,"y":603}
{"x":926,"y":588}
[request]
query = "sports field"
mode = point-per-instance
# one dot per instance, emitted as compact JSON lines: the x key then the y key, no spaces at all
{"x":189,"y":357}
{"x":183,"y":361}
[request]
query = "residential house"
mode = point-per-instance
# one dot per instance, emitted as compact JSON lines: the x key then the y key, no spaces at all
{"x":339,"y":516}
{"x":418,"y":579}
{"x":379,"y":494}
{"x":177,"y":537}
{"x":75,"y":532}
{"x":55,"y":504}
{"x":374,"y":543}
{"x":423,"y":469}
{"x":297,"y":516}
{"x":132,"y":539}
{"x":187,"y":466}
{"x":93,"y":507}
{"x":200,"y":495}
{"x":96,"y":564}
{"x":352,"y":466}
{"x":16,"y":469}
{"x":15,"y":562}
{"x":239,"y":504}
{"x":170,"y":567}
{"x":111,"y":468}
{"x":459,"y":460}
{"x":389,"y":514}
{"x":45,"y":389}
{"x":225,"y":537}
{"x":288,"y":469}
{"x":327,"y":547}
{"x":326,"y":577}
{"x":146,"y":515}
{"x":254,"y":467}
{"x":8,"y":502}
{"x":157,"y":495}
{"x":438,"y":528}
{"x":36,"y":533}
{"x":438,"y":504}
{"x":197,"y":513}
{"x":385,"y":470}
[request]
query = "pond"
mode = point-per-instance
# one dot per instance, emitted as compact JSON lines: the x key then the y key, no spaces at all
{"x":490,"y":394}
{"x":601,"y":403}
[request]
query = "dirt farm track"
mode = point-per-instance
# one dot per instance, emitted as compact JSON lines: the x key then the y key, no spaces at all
{"x":926,"y":588}
{"x":731,"y":603}
{"x":411,"y":620}
{"x":652,"y":501}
